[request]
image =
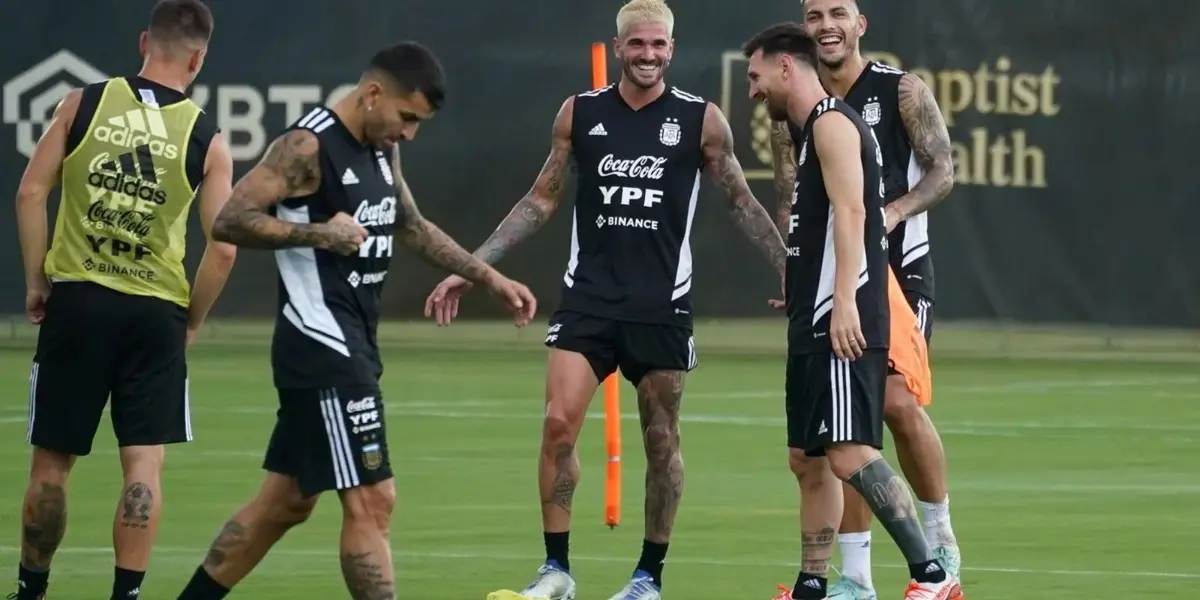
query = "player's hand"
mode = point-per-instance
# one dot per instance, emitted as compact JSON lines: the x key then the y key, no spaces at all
{"x":779,"y":304}
{"x":191,"y":335}
{"x":845,"y":331}
{"x":343,"y":234}
{"x":35,"y":302}
{"x":519,"y":300}
{"x":891,"y":218}
{"x":442,"y":303}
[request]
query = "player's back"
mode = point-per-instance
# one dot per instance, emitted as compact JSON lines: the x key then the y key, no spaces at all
{"x":134,"y":160}
{"x":325,"y":333}
{"x":638,"y":180}
{"x":875,"y":95}
{"x":811,"y":263}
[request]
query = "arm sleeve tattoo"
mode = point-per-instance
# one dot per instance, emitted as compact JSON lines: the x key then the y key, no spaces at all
{"x":930,"y":142}
{"x":783,"y":154}
{"x":289,"y":168}
{"x":725,"y":170}
{"x":428,"y":241}
{"x":540,"y":202}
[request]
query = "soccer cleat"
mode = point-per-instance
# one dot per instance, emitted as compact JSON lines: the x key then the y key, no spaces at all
{"x":784,"y":593}
{"x":551,"y":583}
{"x":849,"y":589}
{"x":950,"y":559}
{"x":947,"y":589}
{"x":640,"y":587}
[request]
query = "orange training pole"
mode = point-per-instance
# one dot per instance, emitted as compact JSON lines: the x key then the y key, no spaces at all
{"x":612,"y":385}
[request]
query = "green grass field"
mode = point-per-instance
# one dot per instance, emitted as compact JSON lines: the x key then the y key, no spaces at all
{"x":1073,"y":473}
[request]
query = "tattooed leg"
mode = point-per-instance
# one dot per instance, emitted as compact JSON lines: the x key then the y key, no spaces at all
{"x":366,"y":554}
{"x":820,"y":512}
{"x":890,"y":500}
{"x":251,"y":532}
{"x":135,"y":523}
{"x":44,"y":518}
{"x":659,"y":396}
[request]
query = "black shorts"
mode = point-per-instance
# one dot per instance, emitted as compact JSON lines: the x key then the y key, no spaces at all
{"x":830,"y":401}
{"x":635,"y":348}
{"x":330,"y":439}
{"x":923,"y":308}
{"x":96,"y":342}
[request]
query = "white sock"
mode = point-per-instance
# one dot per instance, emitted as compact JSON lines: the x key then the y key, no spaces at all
{"x":935,"y":516}
{"x":856,"y":557}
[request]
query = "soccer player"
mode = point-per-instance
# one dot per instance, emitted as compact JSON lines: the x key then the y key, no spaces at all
{"x":639,"y":148}
{"x":838,"y":316}
{"x":329,"y":197}
{"x":918,"y":172}
{"x":129,"y":155}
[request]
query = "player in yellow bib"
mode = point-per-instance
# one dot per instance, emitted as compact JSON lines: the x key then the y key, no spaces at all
{"x":130,"y":155}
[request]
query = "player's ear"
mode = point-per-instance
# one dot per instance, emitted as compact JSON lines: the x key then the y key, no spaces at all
{"x":862,"y":25}
{"x":142,"y":40}
{"x":617,"y":48}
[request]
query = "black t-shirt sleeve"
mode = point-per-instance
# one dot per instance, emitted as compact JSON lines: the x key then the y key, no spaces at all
{"x":89,"y":102}
{"x":202,"y":135}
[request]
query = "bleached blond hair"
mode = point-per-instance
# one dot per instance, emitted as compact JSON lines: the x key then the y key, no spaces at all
{"x":644,"y":11}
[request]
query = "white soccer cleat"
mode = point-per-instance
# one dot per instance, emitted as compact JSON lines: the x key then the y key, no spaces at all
{"x":947,"y":589}
{"x":551,"y":583}
{"x":849,"y":589}
{"x":641,"y":587}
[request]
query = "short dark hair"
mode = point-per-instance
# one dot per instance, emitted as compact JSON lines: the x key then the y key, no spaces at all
{"x":783,"y":38}
{"x":413,"y":68}
{"x":181,"y":21}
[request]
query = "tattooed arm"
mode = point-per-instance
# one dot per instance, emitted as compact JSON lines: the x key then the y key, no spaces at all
{"x":726,"y":171}
{"x":930,"y":144}
{"x":430,"y":242}
{"x":540,"y":202}
{"x":289,"y":168}
{"x":783,"y":154}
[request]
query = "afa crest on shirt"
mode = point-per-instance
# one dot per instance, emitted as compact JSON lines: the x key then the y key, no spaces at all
{"x":871,"y":112}
{"x":372,"y":457}
{"x":670,"y":133}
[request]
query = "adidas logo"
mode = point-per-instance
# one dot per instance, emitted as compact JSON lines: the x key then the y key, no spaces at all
{"x":132,"y":174}
{"x":822,"y":429}
{"x":349,"y":178}
{"x":932,"y":568}
{"x":598,"y":130}
{"x":138,"y":127}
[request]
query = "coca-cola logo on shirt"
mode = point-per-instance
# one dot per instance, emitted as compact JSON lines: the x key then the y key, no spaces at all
{"x":642,"y":167}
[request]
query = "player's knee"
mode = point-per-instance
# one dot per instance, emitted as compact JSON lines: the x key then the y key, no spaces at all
{"x":51,"y":466}
{"x":900,"y":408}
{"x":142,"y":462}
{"x":370,"y":503}
{"x":562,"y":422}
{"x":291,"y":512}
{"x":846,"y":459}
{"x":808,"y":470}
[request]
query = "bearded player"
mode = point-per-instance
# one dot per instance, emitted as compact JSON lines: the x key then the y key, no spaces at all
{"x":918,"y":172}
{"x":639,"y":148}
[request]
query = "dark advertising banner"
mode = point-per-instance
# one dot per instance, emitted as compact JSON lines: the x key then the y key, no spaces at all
{"x":1072,"y":124}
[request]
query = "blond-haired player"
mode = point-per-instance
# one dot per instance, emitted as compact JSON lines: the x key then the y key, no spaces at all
{"x":639,"y":147}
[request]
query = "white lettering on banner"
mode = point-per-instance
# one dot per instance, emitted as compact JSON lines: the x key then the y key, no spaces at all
{"x":643,"y":167}
{"x":240,"y":108}
{"x":29,"y":100}
{"x":630,"y":194}
{"x":383,"y":213}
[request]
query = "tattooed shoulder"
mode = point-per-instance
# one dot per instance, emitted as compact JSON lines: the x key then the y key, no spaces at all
{"x":923,"y":120}
{"x":294,"y":158}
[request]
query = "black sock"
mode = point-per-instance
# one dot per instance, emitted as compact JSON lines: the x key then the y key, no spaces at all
{"x":653,"y":555}
{"x":557,"y":545}
{"x":927,"y":572}
{"x":127,"y":585}
{"x":202,"y":587}
{"x":809,"y":587}
{"x":31,"y":584}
